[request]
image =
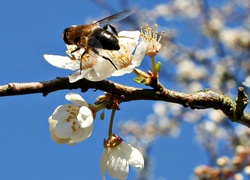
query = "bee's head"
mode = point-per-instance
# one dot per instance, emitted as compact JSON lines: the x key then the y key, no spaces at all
{"x":66,"y":36}
{"x":72,"y":35}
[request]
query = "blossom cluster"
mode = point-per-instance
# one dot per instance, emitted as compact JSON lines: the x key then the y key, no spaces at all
{"x":73,"y":123}
{"x":228,"y":168}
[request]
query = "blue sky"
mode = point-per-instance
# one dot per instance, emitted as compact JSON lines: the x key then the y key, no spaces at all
{"x":28,"y":30}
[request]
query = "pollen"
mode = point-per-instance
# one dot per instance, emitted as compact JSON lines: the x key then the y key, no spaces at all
{"x":75,"y":108}
{"x":124,"y":60}
{"x":122,"y":57}
{"x":87,"y":61}
{"x":73,"y":128}
{"x":69,"y":118}
{"x":112,"y":54}
{"x":72,"y":111}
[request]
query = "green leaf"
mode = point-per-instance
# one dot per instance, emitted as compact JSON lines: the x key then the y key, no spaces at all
{"x":139,"y":80}
{"x":143,"y":81}
{"x":102,"y":115}
{"x":158,"y":67}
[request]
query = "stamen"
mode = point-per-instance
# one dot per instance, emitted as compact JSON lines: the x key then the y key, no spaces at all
{"x":162,"y":34}
{"x":87,"y":62}
{"x":150,"y":37}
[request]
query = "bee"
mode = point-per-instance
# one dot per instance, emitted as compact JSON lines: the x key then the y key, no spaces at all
{"x":96,"y":35}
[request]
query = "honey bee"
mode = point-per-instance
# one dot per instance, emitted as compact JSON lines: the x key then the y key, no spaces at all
{"x":96,"y":35}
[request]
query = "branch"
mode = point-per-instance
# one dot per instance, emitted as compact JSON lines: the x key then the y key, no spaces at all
{"x":197,"y":100}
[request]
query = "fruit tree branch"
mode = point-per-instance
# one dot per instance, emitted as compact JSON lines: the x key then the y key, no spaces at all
{"x":197,"y":100}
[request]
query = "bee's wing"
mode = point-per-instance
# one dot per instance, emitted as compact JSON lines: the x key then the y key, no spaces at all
{"x":114,"y":18}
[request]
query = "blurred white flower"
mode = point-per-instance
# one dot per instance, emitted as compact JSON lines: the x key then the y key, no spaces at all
{"x":117,"y":158}
{"x":188,"y":8}
{"x":94,"y":67}
{"x":235,"y":37}
{"x":160,"y":108}
{"x":247,"y":170}
{"x":187,"y":69}
{"x":238,"y":176}
{"x":71,"y":123}
{"x":216,"y":116}
{"x":247,"y":82}
{"x":222,"y":161}
{"x":243,"y":134}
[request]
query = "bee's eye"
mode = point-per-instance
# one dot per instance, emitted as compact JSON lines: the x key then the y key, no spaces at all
{"x":65,"y":36}
{"x":76,"y":40}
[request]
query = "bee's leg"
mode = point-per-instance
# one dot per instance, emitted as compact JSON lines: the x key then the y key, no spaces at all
{"x":81,"y":60}
{"x":76,"y":49}
{"x":113,"y":29}
{"x":97,"y":52}
{"x":116,"y":33}
{"x":105,"y":27}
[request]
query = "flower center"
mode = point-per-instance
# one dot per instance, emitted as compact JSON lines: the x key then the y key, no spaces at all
{"x":72,"y":113}
{"x":122,"y":58}
{"x":86,"y":61}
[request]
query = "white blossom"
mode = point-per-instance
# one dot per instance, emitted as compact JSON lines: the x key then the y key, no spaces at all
{"x":116,"y":160}
{"x":71,"y":123}
{"x":150,"y":37}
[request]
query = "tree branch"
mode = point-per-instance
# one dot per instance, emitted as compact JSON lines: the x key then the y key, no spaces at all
{"x":197,"y":100}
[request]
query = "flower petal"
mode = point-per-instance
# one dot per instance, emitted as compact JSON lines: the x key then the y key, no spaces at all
{"x":123,"y":71}
{"x":103,"y":163}
{"x":129,"y":39}
{"x":132,"y":154}
{"x":52,"y":125}
{"x":101,"y":70}
{"x":85,"y":117}
{"x":77,"y":75}
{"x":59,"y":140}
{"x":76,"y":99}
{"x":81,"y":135}
{"x":117,"y":165}
{"x":139,"y":54}
{"x":63,"y":130}
{"x":130,"y":34}
{"x":63,"y":62}
{"x":61,"y":112}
